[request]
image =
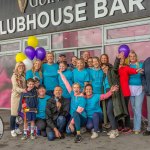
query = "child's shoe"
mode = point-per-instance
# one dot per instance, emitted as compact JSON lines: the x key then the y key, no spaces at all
{"x":78,"y":139}
{"x":114,"y":134}
{"x":32,"y":136}
{"x":24,"y":137}
{"x":94,"y":135}
{"x":13,"y":133}
{"x":18,"y":131}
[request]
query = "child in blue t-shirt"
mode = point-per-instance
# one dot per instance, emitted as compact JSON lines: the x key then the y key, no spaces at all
{"x":77,"y":109}
{"x":41,"y":115}
{"x":29,"y":103}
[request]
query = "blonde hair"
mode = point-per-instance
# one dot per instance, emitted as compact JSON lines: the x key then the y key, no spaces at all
{"x":82,"y":60}
{"x":76,"y":84}
{"x":33,"y":68}
{"x":16,"y":68}
{"x":51,"y":53}
{"x":133,"y":52}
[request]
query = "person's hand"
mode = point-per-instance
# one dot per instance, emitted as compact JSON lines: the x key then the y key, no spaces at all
{"x":57,"y":133}
{"x":120,"y":55}
{"x":25,"y":91}
{"x":114,"y":88}
{"x":71,"y":127}
{"x":140,"y":70}
{"x":59,"y":71}
{"x":58,"y":104}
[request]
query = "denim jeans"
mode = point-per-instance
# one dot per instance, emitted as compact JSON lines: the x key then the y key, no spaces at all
{"x":79,"y":122}
{"x":60,"y":124}
{"x":94,"y":122}
{"x":136,"y":102}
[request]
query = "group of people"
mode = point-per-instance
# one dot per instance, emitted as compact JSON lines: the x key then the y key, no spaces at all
{"x":90,"y":93}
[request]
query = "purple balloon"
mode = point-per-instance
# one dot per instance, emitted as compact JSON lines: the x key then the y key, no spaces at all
{"x":125,"y":49}
{"x":30,"y":52}
{"x":40,"y":53}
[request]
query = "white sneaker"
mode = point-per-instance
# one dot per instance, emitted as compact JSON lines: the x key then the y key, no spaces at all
{"x":13,"y":133}
{"x":94,"y":135}
{"x":109,"y":133}
{"x":18,"y":131}
{"x":114,"y":134}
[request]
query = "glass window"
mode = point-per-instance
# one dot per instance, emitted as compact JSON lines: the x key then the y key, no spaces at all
{"x":7,"y":64}
{"x":10,"y":47}
{"x":141,"y":48}
{"x":128,"y":31}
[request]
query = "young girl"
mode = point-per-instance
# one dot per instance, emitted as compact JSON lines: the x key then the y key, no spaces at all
{"x":41,"y":116}
{"x":68,"y":74}
{"x":96,"y":76}
{"x":77,"y":109}
{"x":137,"y":93}
{"x":80,"y":74}
{"x":28,"y":102}
{"x":18,"y":86}
{"x":93,"y":110}
{"x":124,"y":74}
{"x":35,"y":72}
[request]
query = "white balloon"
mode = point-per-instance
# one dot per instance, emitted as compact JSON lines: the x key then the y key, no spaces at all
{"x":28,"y":64}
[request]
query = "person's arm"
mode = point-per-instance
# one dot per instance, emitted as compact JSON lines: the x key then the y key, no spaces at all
{"x":49,"y":116}
{"x":15,"y":85}
{"x":20,"y":103}
{"x":109,"y":93}
{"x":65,"y":82}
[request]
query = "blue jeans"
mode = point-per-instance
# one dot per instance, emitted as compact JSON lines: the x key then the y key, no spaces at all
{"x":79,"y":122}
{"x":136,"y":102}
{"x":60,"y":124}
{"x":94,"y":122}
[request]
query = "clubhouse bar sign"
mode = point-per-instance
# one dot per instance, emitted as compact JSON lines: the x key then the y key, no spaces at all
{"x":20,"y":18}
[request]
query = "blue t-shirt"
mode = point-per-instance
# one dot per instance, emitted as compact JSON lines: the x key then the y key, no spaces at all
{"x":77,"y":101}
{"x":42,"y":107}
{"x":93,"y":105}
{"x":31,"y":74}
{"x":136,"y":79}
{"x":50,"y":76}
{"x":68,"y":75}
{"x":96,"y":79}
{"x":80,"y":76}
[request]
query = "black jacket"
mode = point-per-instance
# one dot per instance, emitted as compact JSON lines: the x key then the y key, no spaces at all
{"x":52,"y":113}
{"x":146,"y":76}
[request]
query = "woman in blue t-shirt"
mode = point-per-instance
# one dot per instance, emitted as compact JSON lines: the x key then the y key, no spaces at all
{"x":96,"y":76}
{"x":68,"y":74}
{"x":41,"y":115}
{"x":50,"y":74}
{"x":93,"y":109}
{"x":77,"y":109}
{"x":137,"y":93}
{"x":80,"y":74}
{"x":36,"y":71}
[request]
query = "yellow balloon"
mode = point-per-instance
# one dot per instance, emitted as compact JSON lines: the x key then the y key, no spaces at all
{"x":20,"y":57}
{"x":32,"y":41}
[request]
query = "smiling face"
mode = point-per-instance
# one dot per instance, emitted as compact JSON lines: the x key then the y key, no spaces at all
{"x":21,"y":68}
{"x":104,"y":59}
{"x":80,"y":64}
{"x":76,"y":88}
{"x":86,"y":56}
{"x":74,"y":60}
{"x":58,"y":92}
{"x":88,"y":90}
{"x":30,"y":85}
{"x":90,"y":62}
{"x":37,"y":65}
{"x":62,"y":67}
{"x":50,"y":58}
{"x":96,"y":63}
{"x":132,"y":57}
{"x":41,"y":92}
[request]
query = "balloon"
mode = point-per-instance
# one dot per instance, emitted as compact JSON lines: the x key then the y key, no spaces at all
{"x":32,"y":41}
{"x":40,"y":53}
{"x":28,"y":64}
{"x":125,"y":49}
{"x":30,"y":52}
{"x":20,"y":57}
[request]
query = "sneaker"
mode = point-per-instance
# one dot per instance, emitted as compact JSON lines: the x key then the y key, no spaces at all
{"x":18,"y":131}
{"x":94,"y":135}
{"x":114,"y":134}
{"x":136,"y":132}
{"x":109,"y":133}
{"x":146,"y":133}
{"x":13,"y":133}
{"x":24,"y":137}
{"x":78,"y":139}
{"x":32,"y":136}
{"x":127,"y":130}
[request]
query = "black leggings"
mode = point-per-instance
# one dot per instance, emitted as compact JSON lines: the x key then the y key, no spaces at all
{"x":41,"y":125}
{"x":13,"y":124}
